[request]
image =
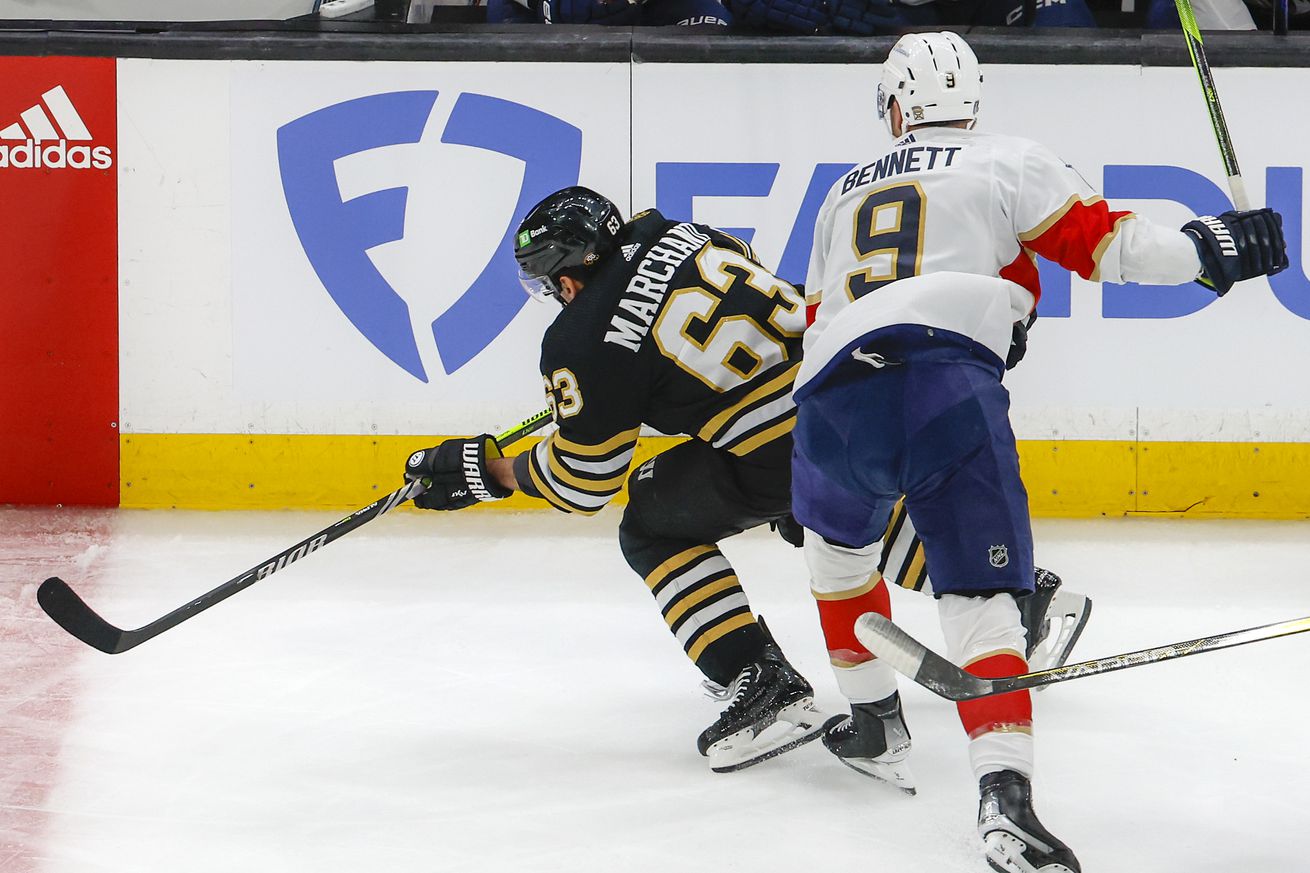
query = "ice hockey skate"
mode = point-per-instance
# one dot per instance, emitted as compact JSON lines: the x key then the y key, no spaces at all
{"x":1053,"y":620}
{"x":873,"y":739}
{"x":770,"y":711}
{"x":1014,"y":841}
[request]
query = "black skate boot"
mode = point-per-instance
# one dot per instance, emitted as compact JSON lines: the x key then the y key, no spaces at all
{"x":1014,"y":841}
{"x":874,"y":740}
{"x":1053,"y":620}
{"x":770,"y":711}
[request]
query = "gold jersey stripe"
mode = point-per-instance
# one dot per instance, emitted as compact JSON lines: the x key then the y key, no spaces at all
{"x":623,"y":439}
{"x":782,"y":428}
{"x":700,"y":595}
{"x":1105,"y":244}
{"x":599,"y":487}
{"x":720,"y":421}
{"x":872,"y":583}
{"x":1055,"y":216}
{"x":677,"y":562}
{"x":737,"y":622}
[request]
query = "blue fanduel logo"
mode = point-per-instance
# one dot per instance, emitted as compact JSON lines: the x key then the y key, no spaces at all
{"x":336,"y":234}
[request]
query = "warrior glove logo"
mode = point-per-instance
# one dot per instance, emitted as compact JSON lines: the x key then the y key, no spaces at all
{"x":1221,"y":234}
{"x":337,"y":234}
{"x":40,"y":144}
{"x":473,"y":472}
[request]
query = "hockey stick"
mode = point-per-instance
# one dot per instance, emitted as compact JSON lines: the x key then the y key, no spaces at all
{"x":1192,"y":35}
{"x":907,"y":655}
{"x":70,"y":612}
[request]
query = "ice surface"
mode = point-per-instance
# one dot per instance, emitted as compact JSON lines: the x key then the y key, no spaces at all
{"x":480,"y":692}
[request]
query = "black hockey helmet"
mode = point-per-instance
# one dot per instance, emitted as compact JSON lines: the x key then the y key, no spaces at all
{"x":572,"y":228}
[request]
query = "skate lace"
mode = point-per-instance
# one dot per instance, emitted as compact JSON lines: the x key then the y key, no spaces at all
{"x":715,"y":691}
{"x":739,"y":690}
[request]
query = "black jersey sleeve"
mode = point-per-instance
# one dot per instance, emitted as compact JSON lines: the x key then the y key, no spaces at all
{"x":598,"y":405}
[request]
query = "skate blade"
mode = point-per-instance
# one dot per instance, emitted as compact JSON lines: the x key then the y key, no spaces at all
{"x":1072,"y":611}
{"x":1004,"y":852}
{"x":894,"y":773}
{"x":795,"y":725}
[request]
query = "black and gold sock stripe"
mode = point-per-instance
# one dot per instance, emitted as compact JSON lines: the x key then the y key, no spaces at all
{"x":700,"y":598}
{"x":902,"y":553}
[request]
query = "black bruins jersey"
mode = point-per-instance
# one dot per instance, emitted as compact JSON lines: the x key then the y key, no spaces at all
{"x":680,"y":329}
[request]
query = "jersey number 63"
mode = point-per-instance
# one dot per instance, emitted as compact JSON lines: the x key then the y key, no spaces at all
{"x":731,"y":349}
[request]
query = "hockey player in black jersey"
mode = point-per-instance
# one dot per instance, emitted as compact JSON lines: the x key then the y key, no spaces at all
{"x":674,"y":325}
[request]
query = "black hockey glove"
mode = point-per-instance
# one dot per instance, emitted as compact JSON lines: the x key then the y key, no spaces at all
{"x":457,"y":473}
{"x":1019,"y":341}
{"x":789,"y":529}
{"x":1237,"y":246}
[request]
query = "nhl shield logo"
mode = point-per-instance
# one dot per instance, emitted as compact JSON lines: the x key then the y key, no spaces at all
{"x":999,"y":556}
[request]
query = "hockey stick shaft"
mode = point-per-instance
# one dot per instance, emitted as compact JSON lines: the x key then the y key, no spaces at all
{"x":908,"y":656}
{"x":1195,"y":48}
{"x":71,"y":613}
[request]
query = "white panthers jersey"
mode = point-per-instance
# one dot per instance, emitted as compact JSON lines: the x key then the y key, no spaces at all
{"x":968,"y":212}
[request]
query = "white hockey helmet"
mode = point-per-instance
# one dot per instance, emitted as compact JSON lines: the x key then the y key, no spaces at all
{"x":933,"y":76}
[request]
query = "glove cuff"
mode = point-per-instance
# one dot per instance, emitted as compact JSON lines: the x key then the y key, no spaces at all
{"x":491,"y":489}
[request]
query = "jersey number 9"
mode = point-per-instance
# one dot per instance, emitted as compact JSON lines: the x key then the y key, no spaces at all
{"x":888,"y":237}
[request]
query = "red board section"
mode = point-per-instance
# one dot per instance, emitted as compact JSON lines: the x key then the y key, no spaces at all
{"x":58,"y":281}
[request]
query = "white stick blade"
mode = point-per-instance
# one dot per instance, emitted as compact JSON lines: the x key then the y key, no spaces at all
{"x":903,"y":653}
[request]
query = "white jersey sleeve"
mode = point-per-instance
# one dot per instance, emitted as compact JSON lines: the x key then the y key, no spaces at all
{"x":1061,"y":217}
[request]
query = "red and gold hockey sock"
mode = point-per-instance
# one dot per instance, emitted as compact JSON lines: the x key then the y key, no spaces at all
{"x":1011,"y":712}
{"x":838,"y":612}
{"x":860,"y":676}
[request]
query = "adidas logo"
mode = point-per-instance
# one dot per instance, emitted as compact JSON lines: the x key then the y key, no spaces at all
{"x":630,"y":251}
{"x":41,"y":144}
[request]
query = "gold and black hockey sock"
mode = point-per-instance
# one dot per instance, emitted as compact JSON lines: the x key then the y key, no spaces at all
{"x":706,"y":609}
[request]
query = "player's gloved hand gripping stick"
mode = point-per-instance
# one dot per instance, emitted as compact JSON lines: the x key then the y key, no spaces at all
{"x":457,"y":473}
{"x":63,"y":605}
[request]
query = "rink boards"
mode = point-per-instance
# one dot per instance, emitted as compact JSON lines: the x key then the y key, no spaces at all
{"x":292,"y":273}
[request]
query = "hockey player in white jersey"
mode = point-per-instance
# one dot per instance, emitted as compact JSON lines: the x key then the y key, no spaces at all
{"x":923,"y":275}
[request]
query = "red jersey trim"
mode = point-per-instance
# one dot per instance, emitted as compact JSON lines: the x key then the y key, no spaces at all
{"x":1022,"y":271}
{"x":1076,"y":235}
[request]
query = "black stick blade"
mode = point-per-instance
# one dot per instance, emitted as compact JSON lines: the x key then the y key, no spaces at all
{"x":71,"y":613}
